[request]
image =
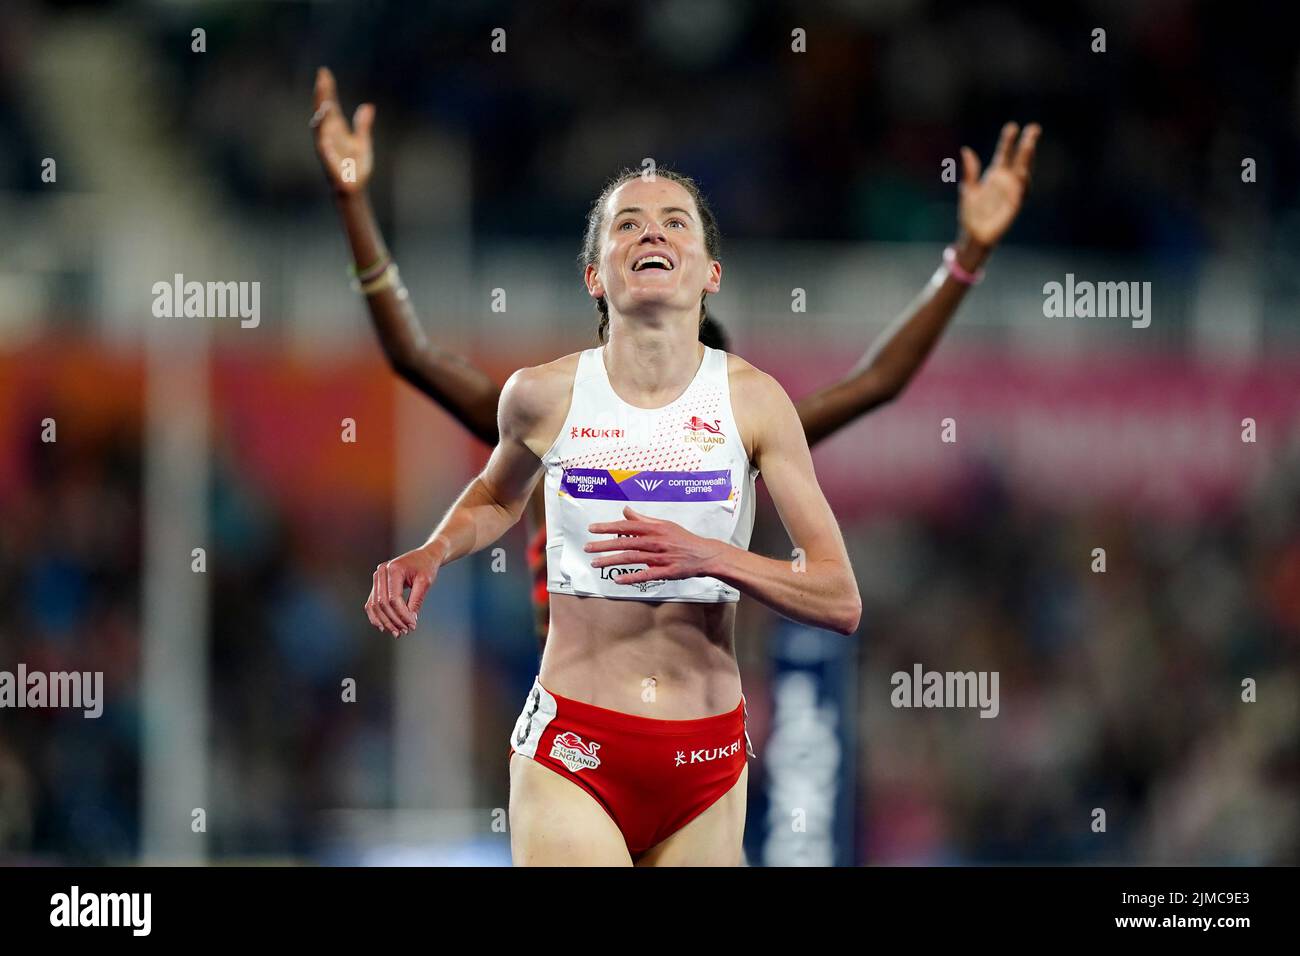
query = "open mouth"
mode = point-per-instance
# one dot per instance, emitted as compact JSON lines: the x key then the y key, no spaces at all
{"x":653,"y":262}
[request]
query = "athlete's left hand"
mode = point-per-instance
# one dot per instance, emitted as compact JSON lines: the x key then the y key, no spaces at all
{"x":670,"y":551}
{"x":989,"y":204}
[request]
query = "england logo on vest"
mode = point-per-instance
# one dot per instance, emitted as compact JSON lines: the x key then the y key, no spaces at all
{"x":712,"y":434}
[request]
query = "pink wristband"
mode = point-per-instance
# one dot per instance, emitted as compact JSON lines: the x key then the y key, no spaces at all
{"x":957,"y":272}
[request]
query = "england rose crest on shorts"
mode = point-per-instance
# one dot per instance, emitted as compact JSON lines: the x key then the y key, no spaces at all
{"x":574,"y":753}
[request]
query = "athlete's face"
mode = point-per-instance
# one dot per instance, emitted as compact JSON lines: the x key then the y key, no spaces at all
{"x":652,"y":252}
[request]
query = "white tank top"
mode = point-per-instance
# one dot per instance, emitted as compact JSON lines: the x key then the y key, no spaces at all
{"x":683,"y":462}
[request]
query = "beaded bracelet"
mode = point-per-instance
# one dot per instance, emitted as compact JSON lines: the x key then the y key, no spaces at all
{"x":385,"y":280}
{"x":372,"y":271}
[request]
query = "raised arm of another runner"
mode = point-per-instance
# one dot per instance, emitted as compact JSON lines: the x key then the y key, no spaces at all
{"x":986,"y":209}
{"x":347,"y":156}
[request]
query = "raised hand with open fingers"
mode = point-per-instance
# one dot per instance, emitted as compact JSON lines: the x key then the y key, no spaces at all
{"x":989,"y":204}
{"x":345,"y":152}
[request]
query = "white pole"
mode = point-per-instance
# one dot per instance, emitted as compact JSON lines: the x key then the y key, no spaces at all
{"x":175,"y":625}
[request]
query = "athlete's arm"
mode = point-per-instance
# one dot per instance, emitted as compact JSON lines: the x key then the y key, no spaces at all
{"x":487,"y":508}
{"x":817,"y":587}
{"x":986,"y":209}
{"x":464,"y":390}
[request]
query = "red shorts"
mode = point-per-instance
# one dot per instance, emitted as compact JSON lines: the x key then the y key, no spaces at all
{"x":652,"y":776}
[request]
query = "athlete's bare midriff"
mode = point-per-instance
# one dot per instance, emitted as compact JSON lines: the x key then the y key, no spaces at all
{"x":671,"y":660}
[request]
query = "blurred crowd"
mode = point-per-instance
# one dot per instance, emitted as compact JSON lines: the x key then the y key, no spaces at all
{"x":70,"y":553}
{"x":1124,"y":690}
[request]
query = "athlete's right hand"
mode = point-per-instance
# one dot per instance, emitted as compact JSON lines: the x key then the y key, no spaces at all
{"x":345,"y":153}
{"x":387,"y":611}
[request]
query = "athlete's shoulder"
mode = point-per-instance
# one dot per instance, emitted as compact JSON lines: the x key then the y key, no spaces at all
{"x":750,"y":384}
{"x":758,"y":401}
{"x":533,"y":393}
{"x":538,"y":387}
